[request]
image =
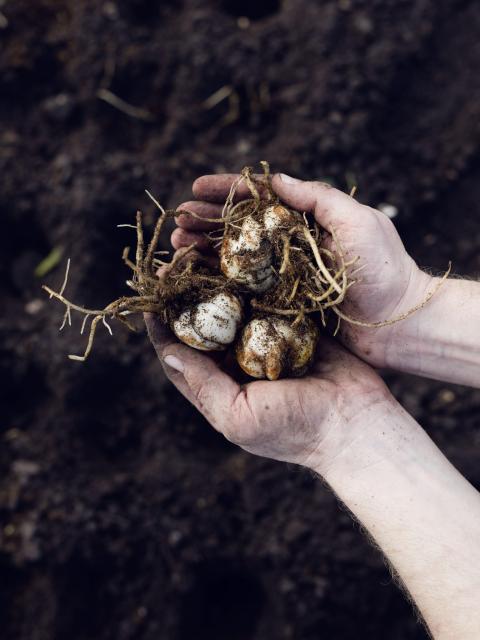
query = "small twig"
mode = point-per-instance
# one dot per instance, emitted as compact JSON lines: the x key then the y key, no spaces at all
{"x":128,"y":109}
{"x":217,"y":97}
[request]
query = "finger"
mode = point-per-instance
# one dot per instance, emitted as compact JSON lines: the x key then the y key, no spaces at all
{"x":201,"y":380}
{"x":215,"y":188}
{"x":329,"y":205}
{"x":162,"y":338}
{"x":182,"y":238}
{"x":159,"y":334}
{"x":202,"y":209}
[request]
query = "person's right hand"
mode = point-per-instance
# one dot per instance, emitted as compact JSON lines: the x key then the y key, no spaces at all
{"x":309,"y":421}
{"x":389,"y":283}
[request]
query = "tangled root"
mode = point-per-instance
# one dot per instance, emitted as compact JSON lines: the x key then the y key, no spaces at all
{"x":309,"y":278}
{"x":184,"y":278}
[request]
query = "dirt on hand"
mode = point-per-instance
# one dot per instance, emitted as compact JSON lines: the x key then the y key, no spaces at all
{"x":122,"y":514}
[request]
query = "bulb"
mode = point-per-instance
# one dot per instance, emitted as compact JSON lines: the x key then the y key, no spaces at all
{"x":211,"y":325}
{"x":248,"y":258}
{"x":278,"y":216}
{"x":272,"y":347}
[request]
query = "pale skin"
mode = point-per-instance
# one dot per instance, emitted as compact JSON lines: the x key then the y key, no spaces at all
{"x":342,"y":422}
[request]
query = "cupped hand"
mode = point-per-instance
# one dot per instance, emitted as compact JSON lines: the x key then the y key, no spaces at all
{"x":388,"y":281}
{"x":307,"y":421}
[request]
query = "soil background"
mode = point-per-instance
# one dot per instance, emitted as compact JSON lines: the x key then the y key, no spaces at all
{"x":122,"y":514}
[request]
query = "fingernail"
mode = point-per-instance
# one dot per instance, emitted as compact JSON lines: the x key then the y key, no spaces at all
{"x":288,"y":179}
{"x":174,"y":363}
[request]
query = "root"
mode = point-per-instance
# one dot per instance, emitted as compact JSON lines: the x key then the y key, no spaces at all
{"x":294,"y":290}
{"x":146,"y":264}
{"x":320,"y":263}
{"x":404,"y":316}
{"x":91,"y":336}
{"x":247,"y":174}
{"x":152,"y":293}
{"x":187,"y":212}
{"x":309,"y":279}
{"x":286,"y":255}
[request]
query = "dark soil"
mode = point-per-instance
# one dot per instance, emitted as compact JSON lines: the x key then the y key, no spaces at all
{"x":123,"y":515}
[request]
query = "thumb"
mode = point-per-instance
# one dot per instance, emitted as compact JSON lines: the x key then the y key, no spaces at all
{"x":329,"y":205}
{"x":202,"y":382}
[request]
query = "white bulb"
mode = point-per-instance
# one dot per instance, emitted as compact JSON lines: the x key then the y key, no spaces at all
{"x":218,"y":319}
{"x":250,"y":236}
{"x":184,"y":330}
{"x":277,"y":217}
{"x":271,"y":347}
{"x":247,"y":259}
{"x":210,"y":325}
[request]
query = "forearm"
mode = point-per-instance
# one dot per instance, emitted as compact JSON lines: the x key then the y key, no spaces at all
{"x":442,"y":340}
{"x":422,"y":513}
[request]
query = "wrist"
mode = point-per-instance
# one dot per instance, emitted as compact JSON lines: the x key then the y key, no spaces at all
{"x":442,"y":339}
{"x":384,"y":347}
{"x":404,"y":339}
{"x":361,"y":437}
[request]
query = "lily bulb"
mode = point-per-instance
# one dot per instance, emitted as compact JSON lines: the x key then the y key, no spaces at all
{"x":278,"y":216}
{"x":248,"y":258}
{"x":211,"y":325}
{"x":273,"y":347}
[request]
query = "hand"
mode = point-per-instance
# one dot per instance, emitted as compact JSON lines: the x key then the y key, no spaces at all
{"x":307,"y":421}
{"x":341,"y":422}
{"x":389,"y":283}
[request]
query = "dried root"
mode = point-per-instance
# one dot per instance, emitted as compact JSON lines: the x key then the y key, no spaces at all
{"x":271,"y":258}
{"x":162,"y":296}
